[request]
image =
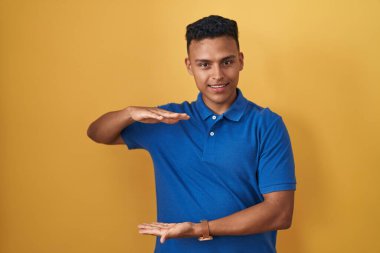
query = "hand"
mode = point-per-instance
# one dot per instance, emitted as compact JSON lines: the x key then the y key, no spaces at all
{"x":155,"y":115}
{"x":168,"y":230}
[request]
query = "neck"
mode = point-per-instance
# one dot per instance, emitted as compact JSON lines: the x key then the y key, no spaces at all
{"x":220,"y":108}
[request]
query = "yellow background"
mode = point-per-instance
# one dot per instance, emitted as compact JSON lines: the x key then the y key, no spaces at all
{"x":65,"y":63}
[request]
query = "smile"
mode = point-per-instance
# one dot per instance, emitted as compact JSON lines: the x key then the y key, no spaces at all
{"x":218,"y":85}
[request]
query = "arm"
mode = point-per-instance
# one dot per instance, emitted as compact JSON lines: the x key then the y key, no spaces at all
{"x":106,"y":129}
{"x":274,"y":213}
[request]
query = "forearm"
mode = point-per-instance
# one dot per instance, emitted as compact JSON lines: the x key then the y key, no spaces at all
{"x":259,"y":218}
{"x":274,"y":213}
{"x":108,"y":126}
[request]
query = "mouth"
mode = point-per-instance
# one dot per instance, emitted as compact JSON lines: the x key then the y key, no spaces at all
{"x":218,"y":86}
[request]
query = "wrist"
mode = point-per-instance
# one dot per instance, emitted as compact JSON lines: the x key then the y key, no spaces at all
{"x":197,"y":229}
{"x":127,"y":113}
{"x":128,"y":109}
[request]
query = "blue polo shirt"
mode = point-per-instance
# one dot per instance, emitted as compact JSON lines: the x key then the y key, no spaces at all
{"x":211,"y":166}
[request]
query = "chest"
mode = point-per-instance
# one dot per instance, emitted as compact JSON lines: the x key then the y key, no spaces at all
{"x":226,"y":147}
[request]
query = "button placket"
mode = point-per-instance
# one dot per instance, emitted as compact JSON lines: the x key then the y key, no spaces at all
{"x":208,"y":151}
{"x":213,"y":125}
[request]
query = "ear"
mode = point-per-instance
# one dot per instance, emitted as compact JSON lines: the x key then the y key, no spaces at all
{"x":188,"y":66}
{"x":241,"y":60}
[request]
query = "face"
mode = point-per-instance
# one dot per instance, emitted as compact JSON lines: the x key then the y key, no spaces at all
{"x":215,"y":64}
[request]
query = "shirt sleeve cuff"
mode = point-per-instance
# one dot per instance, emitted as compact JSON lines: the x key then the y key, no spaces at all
{"x":278,"y":187}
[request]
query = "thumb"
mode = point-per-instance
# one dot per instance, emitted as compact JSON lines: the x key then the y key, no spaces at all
{"x":163,"y":238}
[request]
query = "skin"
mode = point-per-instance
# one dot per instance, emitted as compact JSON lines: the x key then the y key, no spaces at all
{"x":208,"y":64}
{"x":215,"y":61}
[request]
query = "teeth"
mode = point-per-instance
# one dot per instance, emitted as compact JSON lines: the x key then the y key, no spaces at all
{"x":218,"y":86}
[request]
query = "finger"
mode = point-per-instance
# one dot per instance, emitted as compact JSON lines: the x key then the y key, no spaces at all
{"x":173,"y":115}
{"x":184,"y":115}
{"x":151,"y":115}
{"x":155,"y":223}
{"x":169,"y":121}
{"x":161,"y":225}
{"x":151,"y":231}
{"x":153,"y":227}
{"x":166,"y":114}
{"x":170,"y":224}
{"x":163,"y":113}
{"x":146,"y":225}
{"x":173,"y":120}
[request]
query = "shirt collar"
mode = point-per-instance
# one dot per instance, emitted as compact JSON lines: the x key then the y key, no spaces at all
{"x":234,"y":113}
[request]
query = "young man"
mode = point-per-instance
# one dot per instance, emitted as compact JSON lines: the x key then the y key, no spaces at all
{"x":224,"y":166}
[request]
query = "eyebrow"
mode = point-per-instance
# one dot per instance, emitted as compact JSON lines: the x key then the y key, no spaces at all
{"x":225,"y":58}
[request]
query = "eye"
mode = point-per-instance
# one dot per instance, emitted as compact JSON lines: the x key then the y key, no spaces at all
{"x":228,"y":62}
{"x":203,"y":65}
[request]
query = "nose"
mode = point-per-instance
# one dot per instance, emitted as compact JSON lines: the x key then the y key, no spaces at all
{"x":217,"y":73}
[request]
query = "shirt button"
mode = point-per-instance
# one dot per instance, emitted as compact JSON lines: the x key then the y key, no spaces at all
{"x":212,"y":133}
{"x":214,"y":117}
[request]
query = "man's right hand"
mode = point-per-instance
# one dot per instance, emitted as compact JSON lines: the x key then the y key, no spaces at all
{"x":106,"y":129}
{"x":155,"y":115}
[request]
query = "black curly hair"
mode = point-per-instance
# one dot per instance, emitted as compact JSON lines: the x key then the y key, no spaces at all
{"x":211,"y":27}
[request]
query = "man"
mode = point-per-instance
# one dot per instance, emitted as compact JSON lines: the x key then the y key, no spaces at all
{"x":224,"y":166}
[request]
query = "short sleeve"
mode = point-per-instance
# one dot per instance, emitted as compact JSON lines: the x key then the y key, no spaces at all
{"x":140,"y":135}
{"x":276,"y":171}
{"x":137,"y":135}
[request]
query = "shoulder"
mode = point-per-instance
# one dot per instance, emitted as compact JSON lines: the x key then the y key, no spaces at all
{"x":263,"y":116}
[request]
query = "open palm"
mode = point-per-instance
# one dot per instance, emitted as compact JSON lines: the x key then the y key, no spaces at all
{"x":167,"y":230}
